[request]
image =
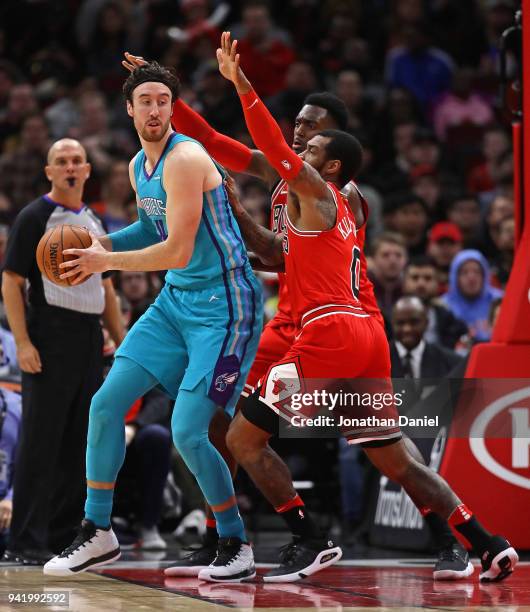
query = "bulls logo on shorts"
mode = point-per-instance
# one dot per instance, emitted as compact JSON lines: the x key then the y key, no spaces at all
{"x":278,"y":386}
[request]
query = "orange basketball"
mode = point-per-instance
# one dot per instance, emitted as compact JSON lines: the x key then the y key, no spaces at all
{"x":51,"y":246}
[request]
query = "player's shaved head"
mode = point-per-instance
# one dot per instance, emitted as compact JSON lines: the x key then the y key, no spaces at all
{"x":63,"y":144}
{"x":409,"y":321}
{"x":67,"y":168}
{"x":410,"y":303}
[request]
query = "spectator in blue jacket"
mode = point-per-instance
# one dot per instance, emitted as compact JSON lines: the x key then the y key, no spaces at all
{"x":470,"y":292}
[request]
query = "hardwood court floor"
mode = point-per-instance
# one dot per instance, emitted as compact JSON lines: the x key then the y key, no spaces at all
{"x":389,"y":585}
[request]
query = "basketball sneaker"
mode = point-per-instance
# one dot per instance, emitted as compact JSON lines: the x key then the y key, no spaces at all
{"x":150,"y":539}
{"x":27,"y":557}
{"x":197,"y":560}
{"x":92,"y":547}
{"x":498,"y":561}
{"x":234,"y":562}
{"x":453,"y":563}
{"x":301,"y":558}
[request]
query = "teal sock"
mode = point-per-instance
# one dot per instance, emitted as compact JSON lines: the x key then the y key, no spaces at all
{"x":98,"y":506}
{"x":230,"y":523}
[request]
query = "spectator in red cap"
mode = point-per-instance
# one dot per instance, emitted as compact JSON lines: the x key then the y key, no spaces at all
{"x":445,"y":241}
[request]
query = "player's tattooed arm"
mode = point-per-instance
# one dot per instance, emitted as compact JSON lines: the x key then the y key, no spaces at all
{"x":328,"y":212}
{"x":262,"y":242}
{"x":316,"y":208}
{"x":259,"y":266}
{"x":266,"y":245}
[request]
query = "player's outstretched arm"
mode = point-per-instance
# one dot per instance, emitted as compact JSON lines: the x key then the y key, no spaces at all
{"x":316,"y":202}
{"x":228,"y":152}
{"x":266,"y":245}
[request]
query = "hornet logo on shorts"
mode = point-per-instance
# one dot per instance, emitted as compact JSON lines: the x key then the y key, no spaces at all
{"x":223,"y":380}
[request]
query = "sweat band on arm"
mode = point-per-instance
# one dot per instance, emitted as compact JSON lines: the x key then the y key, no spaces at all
{"x":132,"y":238}
{"x":268,"y":137}
{"x":227,"y":151}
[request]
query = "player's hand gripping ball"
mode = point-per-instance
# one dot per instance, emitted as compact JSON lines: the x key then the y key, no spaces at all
{"x":50,"y":251}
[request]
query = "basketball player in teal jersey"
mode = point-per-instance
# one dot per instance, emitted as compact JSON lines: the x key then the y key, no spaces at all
{"x":197,"y":340}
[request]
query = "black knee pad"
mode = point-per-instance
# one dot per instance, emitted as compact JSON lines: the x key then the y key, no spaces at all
{"x":259,"y":414}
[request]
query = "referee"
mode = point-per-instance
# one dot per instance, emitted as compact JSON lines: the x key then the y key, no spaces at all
{"x":59,"y":349}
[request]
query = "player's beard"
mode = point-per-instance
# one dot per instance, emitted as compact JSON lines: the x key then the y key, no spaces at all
{"x":156,"y":136}
{"x":318,"y":166}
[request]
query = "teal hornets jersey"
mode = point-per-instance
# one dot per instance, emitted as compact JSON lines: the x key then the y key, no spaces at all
{"x":219,"y":248}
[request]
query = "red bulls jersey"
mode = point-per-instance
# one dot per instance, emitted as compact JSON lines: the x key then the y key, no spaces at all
{"x":278,"y":208}
{"x":323,"y":267}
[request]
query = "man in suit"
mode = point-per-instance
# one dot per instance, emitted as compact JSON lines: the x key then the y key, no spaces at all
{"x":442,"y":326}
{"x":411,"y":356}
{"x":415,"y":358}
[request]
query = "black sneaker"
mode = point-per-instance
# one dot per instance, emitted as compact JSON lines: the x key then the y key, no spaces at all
{"x":499,"y":561}
{"x":198,"y":559}
{"x":301,"y":558}
{"x":234,"y":562}
{"x":9,"y":556}
{"x":27,"y":556}
{"x":453,"y":563}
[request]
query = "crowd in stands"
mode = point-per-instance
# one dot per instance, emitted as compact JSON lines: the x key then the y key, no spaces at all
{"x":420,"y":80}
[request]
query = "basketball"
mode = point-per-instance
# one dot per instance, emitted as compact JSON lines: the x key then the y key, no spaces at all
{"x":51,"y":246}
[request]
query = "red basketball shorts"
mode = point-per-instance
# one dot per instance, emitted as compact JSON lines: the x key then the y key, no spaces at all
{"x":276,"y":340}
{"x":345,"y":355}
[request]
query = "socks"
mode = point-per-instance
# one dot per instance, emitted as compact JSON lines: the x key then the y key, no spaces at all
{"x":228,"y":521}
{"x":464,"y":521}
{"x":211,"y":530}
{"x":440,"y":530}
{"x":298,"y":519}
{"x":98,"y":506}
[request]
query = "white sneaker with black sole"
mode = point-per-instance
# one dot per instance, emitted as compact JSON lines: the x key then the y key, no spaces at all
{"x":92,"y":547}
{"x":234,"y":562}
{"x":302,"y":558}
{"x":453,"y":563}
{"x":499,"y":561}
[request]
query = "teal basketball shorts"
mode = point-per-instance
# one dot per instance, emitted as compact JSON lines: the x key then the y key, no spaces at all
{"x":189,"y":335}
